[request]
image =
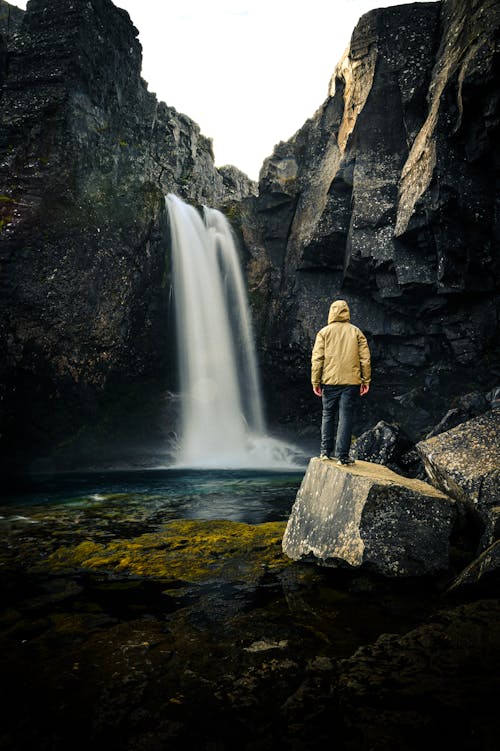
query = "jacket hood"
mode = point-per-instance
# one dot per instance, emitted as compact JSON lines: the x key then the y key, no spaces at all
{"x":339,"y":311}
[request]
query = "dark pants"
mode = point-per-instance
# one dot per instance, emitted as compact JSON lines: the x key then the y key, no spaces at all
{"x":341,"y":399}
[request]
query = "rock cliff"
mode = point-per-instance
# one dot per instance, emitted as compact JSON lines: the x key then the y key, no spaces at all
{"x":387,"y":198}
{"x":86,"y":156}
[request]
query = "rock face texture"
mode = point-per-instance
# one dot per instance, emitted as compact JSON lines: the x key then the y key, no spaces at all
{"x":383,"y":444}
{"x":86,"y":156}
{"x":464,"y":462}
{"x":387,"y":198}
{"x":368,"y":516}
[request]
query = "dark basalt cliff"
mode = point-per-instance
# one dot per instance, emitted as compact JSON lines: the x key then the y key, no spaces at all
{"x":388,"y":198}
{"x":86,"y":156}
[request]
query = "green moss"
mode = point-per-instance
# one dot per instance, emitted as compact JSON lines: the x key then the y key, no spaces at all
{"x":184,"y":550}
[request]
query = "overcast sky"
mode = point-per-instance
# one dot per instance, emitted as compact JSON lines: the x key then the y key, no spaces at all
{"x":249,"y":72}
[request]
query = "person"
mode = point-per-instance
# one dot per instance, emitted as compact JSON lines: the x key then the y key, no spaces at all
{"x":340,"y":371}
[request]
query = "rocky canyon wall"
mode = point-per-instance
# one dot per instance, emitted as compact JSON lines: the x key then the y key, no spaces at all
{"x":387,"y":197}
{"x":86,"y":156}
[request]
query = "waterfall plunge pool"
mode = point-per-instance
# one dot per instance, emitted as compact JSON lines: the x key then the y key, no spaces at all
{"x":148,"y":498}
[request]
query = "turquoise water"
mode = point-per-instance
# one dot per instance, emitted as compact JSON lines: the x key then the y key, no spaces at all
{"x":157,"y":495}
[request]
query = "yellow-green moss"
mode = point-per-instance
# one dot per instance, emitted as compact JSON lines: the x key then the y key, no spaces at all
{"x":184,"y":550}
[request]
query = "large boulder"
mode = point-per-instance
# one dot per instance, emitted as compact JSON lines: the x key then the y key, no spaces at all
{"x":366,"y":515}
{"x":385,"y":443}
{"x":464,"y":462}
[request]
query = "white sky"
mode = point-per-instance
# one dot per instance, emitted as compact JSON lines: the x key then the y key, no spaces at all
{"x":249,"y":72}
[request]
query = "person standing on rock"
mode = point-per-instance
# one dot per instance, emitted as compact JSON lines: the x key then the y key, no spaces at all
{"x":340,"y":371}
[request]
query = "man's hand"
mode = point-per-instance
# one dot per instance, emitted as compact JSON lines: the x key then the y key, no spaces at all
{"x":364,"y":389}
{"x":318,"y":390}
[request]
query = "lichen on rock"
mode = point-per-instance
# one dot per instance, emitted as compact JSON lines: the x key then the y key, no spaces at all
{"x":365,"y":515}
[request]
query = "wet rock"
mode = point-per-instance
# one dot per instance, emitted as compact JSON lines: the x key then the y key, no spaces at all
{"x":385,"y":691}
{"x":256,"y":647}
{"x":483,"y":573}
{"x":366,"y":515}
{"x":169,"y":554}
{"x":464,"y":462}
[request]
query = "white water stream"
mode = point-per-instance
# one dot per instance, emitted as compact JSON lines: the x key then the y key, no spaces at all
{"x":221,"y":407}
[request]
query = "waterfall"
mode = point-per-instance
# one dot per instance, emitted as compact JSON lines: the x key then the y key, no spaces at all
{"x":222,"y":420}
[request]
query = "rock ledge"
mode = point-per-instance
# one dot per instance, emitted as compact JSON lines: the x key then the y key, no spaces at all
{"x":367,"y":515}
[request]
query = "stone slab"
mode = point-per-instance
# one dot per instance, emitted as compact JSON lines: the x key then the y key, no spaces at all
{"x":367,"y":515}
{"x":464,"y":462}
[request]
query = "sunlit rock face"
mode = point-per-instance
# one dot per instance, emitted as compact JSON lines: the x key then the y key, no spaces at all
{"x":86,"y":156}
{"x":464,"y":462}
{"x":386,"y":197}
{"x":367,"y":516}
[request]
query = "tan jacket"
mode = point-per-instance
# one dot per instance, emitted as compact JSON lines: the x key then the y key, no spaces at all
{"x":340,"y":354}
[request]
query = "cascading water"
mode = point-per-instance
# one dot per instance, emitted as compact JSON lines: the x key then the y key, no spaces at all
{"x":222,"y":416}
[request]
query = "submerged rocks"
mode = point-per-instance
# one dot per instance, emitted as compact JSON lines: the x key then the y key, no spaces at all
{"x":182,"y":550}
{"x":157,"y":623}
{"x":366,"y":515}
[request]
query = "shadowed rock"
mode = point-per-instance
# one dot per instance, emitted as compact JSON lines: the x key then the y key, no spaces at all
{"x":382,"y":444}
{"x":86,"y":156}
{"x":386,"y":197}
{"x":464,"y":408}
{"x":421,"y":689}
{"x":483,"y":572}
{"x":367,"y":515}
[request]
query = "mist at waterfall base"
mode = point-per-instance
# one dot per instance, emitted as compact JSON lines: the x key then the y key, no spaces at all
{"x":222,"y":417}
{"x":226,"y":465}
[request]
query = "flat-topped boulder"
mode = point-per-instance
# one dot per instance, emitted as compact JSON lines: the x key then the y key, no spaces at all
{"x":366,"y":515}
{"x":464,"y":462}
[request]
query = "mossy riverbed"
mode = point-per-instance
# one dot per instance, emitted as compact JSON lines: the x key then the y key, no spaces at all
{"x":121,"y":630}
